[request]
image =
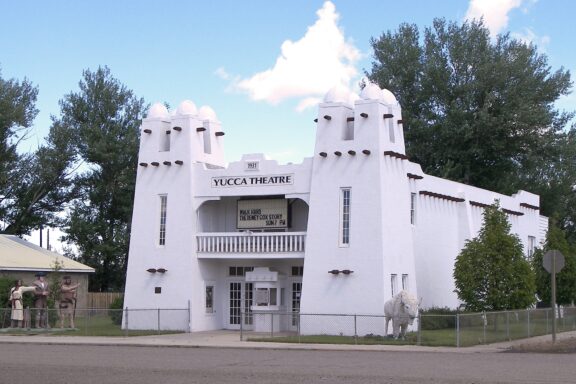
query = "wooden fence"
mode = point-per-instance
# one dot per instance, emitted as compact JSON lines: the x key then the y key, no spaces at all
{"x":101,"y":299}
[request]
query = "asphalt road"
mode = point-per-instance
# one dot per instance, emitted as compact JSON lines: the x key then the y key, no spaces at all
{"x":47,"y":364}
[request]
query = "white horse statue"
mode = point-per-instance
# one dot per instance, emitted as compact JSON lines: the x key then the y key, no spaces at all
{"x":402,"y":309}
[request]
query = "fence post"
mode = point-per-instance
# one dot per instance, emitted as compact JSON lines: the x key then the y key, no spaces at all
{"x":457,"y":330}
{"x":241,"y":327}
{"x":189,"y":318}
{"x":484,"y":321}
{"x":298,"y":326}
{"x":355,"y":331}
{"x":528,"y":321}
{"x":419,"y":337}
{"x":126,"y":327}
{"x":158,"y":320}
{"x":508,"y":325}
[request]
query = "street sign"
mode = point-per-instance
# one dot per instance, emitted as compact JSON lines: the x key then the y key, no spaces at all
{"x":551,"y":256}
{"x":553,"y":261}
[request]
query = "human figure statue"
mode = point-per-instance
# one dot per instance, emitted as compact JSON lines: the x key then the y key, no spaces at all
{"x":16,"y":293}
{"x":67,"y":301}
{"x":41,"y":300}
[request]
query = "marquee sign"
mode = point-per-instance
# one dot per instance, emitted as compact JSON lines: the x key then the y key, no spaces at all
{"x":262,"y":214}
{"x":252,"y":181}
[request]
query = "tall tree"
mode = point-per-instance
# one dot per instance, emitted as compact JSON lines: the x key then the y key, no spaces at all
{"x":491,"y":273}
{"x":475,"y":110}
{"x":105,"y":118}
{"x":565,"y":279}
{"x":17,"y":112}
{"x":554,"y":179}
{"x":41,"y":183}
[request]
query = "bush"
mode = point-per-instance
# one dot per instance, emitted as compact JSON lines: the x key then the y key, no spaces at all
{"x":5,"y":285}
{"x":115,"y":310}
{"x":438,"y":318}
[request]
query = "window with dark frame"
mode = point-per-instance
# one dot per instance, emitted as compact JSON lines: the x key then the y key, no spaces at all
{"x":209,"y":299}
{"x":162,"y":230}
{"x":345,"y":216}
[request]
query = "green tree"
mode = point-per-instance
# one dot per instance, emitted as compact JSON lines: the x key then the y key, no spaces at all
{"x":105,"y":118}
{"x":554,"y":180}
{"x":33,"y":186}
{"x":565,"y":279}
{"x":475,"y":110}
{"x":17,"y":112}
{"x":41,"y":184}
{"x":491,"y":273}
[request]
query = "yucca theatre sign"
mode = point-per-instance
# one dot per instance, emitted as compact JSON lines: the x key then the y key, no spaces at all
{"x":252,"y":181}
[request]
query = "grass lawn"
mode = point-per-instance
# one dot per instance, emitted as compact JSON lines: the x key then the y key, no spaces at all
{"x":86,"y":326}
{"x":429,"y":338}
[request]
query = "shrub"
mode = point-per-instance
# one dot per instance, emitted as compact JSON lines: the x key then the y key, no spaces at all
{"x":115,"y":310}
{"x":5,"y":284}
{"x":438,"y":318}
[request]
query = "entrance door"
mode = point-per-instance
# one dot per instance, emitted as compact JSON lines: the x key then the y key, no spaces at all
{"x":296,"y":293}
{"x":240,"y":302}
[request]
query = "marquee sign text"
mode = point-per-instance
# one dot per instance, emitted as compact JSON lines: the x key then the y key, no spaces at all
{"x":264,"y":213}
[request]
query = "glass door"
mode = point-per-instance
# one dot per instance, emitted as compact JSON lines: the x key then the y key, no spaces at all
{"x":296,"y":293}
{"x":241,"y":295}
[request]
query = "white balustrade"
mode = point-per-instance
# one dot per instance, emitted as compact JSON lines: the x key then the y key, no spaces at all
{"x":250,"y":242}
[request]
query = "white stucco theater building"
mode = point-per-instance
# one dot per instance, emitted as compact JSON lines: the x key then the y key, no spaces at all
{"x":339,"y":233}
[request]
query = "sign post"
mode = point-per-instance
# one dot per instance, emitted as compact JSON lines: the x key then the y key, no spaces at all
{"x":553,"y":261}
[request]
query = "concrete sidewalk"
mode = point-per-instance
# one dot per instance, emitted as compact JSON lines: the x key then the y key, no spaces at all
{"x":231,"y":339}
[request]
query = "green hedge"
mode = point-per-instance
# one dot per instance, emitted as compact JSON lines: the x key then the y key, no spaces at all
{"x":438,"y":318}
{"x":115,"y":310}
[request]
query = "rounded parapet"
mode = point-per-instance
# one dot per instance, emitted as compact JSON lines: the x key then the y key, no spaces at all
{"x":187,"y":107}
{"x":158,"y":111}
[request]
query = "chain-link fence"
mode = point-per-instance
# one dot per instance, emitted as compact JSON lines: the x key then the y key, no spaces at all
{"x":461,"y":329}
{"x":99,"y":322}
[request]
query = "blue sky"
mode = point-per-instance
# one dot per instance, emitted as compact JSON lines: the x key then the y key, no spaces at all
{"x":261,"y":65}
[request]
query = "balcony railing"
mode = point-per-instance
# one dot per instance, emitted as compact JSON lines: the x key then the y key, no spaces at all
{"x":251,"y":242}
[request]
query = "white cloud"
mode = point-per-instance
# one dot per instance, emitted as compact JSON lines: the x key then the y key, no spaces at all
{"x":222,"y":73}
{"x":528,"y":36}
{"x":308,"y":102}
{"x":495,"y":12}
{"x":309,"y":67}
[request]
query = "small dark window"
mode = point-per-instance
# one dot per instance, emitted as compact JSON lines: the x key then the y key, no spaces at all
{"x":209,"y":299}
{"x":239,"y":271}
{"x":297,"y":271}
{"x":157,"y":290}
